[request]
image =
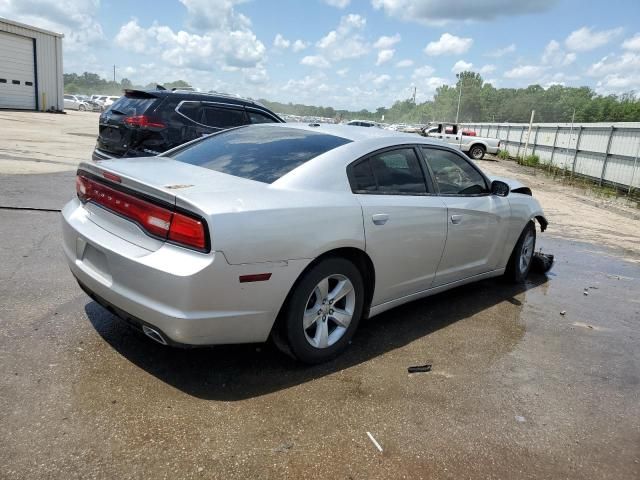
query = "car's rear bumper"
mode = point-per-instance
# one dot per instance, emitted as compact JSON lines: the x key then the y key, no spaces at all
{"x":191,"y":297}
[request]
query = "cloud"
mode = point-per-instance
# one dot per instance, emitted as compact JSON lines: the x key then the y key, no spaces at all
{"x":233,"y":49}
{"x":206,"y":15}
{"x":341,"y":4}
{"x":501,"y":52}
{"x":448,"y":44}
{"x":525,"y":72}
{"x":316,"y":61}
{"x":281,"y":42}
{"x":76,"y":19}
{"x":404,"y":63}
{"x":585,"y":39}
{"x":438,"y":12}
{"x":632,"y":43}
{"x":385,"y":42}
{"x":554,"y":55}
{"x":627,"y":62}
{"x":299,"y":45}
{"x":384,"y":56}
{"x":461,"y":66}
{"x":487,"y":69}
{"x":345,"y":42}
{"x":423,"y":73}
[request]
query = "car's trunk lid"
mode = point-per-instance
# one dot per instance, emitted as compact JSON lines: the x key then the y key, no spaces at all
{"x":164,"y":181}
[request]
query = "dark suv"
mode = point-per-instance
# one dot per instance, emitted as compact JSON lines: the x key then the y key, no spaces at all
{"x":149,"y":122}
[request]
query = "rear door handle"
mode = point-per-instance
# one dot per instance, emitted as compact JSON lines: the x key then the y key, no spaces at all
{"x":456,"y":219}
{"x":380,"y":218}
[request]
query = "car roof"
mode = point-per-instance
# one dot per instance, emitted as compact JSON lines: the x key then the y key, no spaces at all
{"x":356,"y":134}
{"x":209,"y":96}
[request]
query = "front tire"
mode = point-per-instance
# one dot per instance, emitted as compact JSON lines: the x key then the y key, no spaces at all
{"x":82,"y":108}
{"x":323,"y":311}
{"x":521,"y":258}
{"x":477,"y":152}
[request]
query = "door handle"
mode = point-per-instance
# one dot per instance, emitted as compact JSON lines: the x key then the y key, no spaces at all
{"x":456,"y":219}
{"x":380,"y":218}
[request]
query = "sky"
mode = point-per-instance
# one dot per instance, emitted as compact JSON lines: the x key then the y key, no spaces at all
{"x":346,"y":53}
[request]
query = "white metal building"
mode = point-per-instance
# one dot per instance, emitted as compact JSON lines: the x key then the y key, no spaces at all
{"x":30,"y":67}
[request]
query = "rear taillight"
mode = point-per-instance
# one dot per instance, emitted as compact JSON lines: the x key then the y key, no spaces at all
{"x":156,"y":220}
{"x":144,"y":121}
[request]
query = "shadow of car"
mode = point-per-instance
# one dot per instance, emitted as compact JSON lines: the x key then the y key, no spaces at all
{"x":237,"y":372}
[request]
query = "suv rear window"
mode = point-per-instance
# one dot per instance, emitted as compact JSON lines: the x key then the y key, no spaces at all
{"x":132,"y":105}
{"x":259,"y":152}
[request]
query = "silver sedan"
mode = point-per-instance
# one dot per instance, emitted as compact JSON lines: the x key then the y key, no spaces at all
{"x":290,"y":231}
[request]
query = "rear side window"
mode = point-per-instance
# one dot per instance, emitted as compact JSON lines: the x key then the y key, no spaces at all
{"x":223,"y":117}
{"x":132,"y":105}
{"x":256,"y":117}
{"x":261,"y":152}
{"x":394,"y":172}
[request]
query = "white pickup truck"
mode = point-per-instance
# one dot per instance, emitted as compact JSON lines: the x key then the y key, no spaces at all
{"x":474,"y":146}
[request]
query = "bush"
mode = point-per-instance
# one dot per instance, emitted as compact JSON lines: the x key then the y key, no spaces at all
{"x":503,"y":154}
{"x":531,"y":160}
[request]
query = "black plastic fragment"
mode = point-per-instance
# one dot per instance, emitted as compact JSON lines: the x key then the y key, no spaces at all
{"x":541,"y":262}
{"x":420,"y":368}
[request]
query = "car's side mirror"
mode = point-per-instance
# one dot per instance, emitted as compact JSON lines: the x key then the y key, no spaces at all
{"x":499,"y":188}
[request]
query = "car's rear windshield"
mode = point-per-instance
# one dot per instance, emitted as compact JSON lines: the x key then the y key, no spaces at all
{"x":258,"y":152}
{"x":132,"y":105}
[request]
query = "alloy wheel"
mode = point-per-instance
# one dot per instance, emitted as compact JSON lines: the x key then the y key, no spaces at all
{"x":329,"y":311}
{"x":527,"y":252}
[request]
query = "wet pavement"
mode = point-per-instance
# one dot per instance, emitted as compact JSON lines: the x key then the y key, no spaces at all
{"x":517,"y":390}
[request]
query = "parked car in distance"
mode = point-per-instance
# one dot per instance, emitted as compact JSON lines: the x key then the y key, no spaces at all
{"x":74,"y":102}
{"x":290,"y":231}
{"x":94,"y":105}
{"x":149,"y":122}
{"x":472,"y":145}
{"x":109,"y":100}
{"x":363,"y":123}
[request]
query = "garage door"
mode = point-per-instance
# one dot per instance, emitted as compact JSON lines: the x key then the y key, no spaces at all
{"x":17,"y":76}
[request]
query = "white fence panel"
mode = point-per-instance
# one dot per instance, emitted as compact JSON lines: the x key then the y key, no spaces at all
{"x":604,"y":152}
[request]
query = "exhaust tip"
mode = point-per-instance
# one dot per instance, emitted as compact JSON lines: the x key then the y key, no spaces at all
{"x":154,"y":335}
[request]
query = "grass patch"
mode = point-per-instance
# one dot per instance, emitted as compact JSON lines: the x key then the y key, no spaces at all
{"x":503,"y":155}
{"x":529,"y":160}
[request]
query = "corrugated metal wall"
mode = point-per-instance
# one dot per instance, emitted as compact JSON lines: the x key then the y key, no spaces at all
{"x":607,"y":153}
{"x":48,"y":62}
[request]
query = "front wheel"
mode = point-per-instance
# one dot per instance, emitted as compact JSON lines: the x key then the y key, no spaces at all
{"x":82,"y":108}
{"x":324,"y":310}
{"x":477,"y":152}
{"x":520,"y":261}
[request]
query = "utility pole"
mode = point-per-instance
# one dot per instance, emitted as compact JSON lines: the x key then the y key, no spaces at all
{"x":459,"y":98}
{"x":114,"y":74}
{"x":414,"y":95}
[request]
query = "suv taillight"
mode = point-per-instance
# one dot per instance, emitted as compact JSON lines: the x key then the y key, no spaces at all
{"x":143,"y":121}
{"x":156,"y":220}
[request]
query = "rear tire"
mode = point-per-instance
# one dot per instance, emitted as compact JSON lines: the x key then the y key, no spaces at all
{"x":477,"y":152}
{"x":521,"y":258}
{"x":323,"y":311}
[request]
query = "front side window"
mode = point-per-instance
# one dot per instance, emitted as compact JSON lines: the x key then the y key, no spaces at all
{"x":453,"y":174}
{"x":394,"y":172}
{"x":257,"y":152}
